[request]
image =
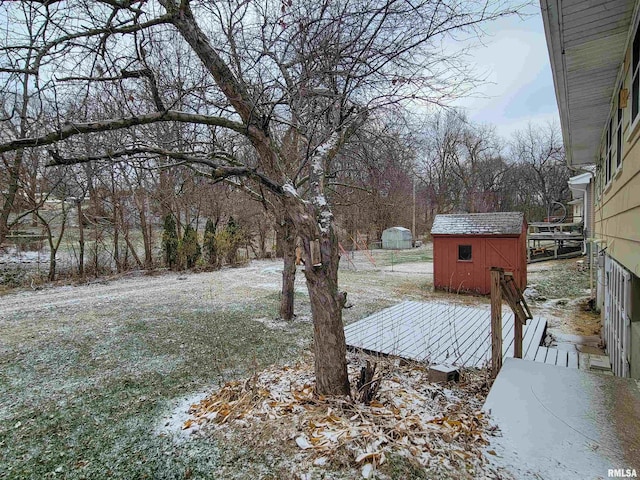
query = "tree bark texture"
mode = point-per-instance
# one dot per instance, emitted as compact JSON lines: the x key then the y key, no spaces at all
{"x":7,"y":206}
{"x":288,"y":272}
{"x":328,"y":329}
{"x":80,"y":239}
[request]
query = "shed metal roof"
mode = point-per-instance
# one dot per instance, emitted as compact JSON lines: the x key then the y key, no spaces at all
{"x":496,"y":223}
{"x":401,"y":229}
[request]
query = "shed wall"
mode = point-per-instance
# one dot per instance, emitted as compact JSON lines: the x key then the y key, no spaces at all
{"x":396,"y":239}
{"x":487,"y":251}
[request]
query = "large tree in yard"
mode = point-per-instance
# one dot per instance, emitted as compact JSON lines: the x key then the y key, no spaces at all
{"x":270,"y":92}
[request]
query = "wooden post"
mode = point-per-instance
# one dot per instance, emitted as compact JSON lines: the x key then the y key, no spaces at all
{"x":517,"y":340}
{"x":496,"y":320}
{"x":511,"y":294}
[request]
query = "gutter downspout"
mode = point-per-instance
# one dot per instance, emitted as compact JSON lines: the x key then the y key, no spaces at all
{"x":592,"y":232}
{"x":584,"y":211}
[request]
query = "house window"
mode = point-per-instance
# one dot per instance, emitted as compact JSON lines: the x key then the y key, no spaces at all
{"x":635,"y":76}
{"x":619,"y":134}
{"x":599,"y":180}
{"x":608,"y":153}
{"x":464,"y":253}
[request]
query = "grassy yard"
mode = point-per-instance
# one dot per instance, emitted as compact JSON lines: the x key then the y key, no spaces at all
{"x":562,"y":280}
{"x":82,"y":390}
{"x":396,"y":257}
{"x":88,"y":373}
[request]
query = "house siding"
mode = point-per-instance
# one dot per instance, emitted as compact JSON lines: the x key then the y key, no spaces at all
{"x":617,"y":211}
{"x":617,"y":218}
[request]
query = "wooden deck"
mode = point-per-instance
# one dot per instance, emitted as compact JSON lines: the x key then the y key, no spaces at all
{"x":553,"y":356}
{"x":448,"y":334}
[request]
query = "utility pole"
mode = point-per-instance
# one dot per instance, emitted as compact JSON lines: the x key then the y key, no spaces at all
{"x":413,"y":225}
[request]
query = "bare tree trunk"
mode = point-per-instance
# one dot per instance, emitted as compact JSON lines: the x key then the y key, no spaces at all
{"x":326,"y":306}
{"x":52,"y":261}
{"x":54,"y":245}
{"x":129,"y":246}
{"x":288,"y":273}
{"x":7,"y":206}
{"x":116,"y":236}
{"x":81,"y":239}
{"x":279,"y":242}
{"x":141,"y":202}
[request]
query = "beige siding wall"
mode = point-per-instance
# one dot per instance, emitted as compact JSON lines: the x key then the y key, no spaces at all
{"x":617,"y":209}
{"x":617,"y":217}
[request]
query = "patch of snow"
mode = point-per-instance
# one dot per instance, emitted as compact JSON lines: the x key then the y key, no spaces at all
{"x":325,"y":220}
{"x":172,"y":425}
{"x":290,"y":189}
{"x":317,"y":161}
{"x":320,"y":201}
{"x":271,"y":270}
{"x":272,"y":324}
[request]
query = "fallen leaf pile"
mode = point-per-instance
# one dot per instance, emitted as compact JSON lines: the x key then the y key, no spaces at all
{"x":439,"y":427}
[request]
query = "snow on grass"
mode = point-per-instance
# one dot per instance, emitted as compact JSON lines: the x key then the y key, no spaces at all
{"x":170,"y":425}
{"x":82,"y":385}
{"x":90,"y":373}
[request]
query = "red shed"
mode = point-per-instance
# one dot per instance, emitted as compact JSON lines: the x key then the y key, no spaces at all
{"x":466,"y":246}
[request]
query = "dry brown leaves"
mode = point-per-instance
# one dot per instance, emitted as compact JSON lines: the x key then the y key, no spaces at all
{"x":430,"y":424}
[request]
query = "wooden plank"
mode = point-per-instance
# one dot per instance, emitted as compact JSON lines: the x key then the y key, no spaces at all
{"x":477,"y":351}
{"x":552,"y":356}
{"x":507,"y":335}
{"x":425,"y":326}
{"x":541,"y":354}
{"x":374,"y":329}
{"x":408,"y":328}
{"x":572,"y":359}
{"x":416,"y":330}
{"x":529,"y":334}
{"x":441,"y":333}
{"x":418,"y":323}
{"x":456,"y":319}
{"x":496,"y":321}
{"x":447,"y":324}
{"x":466,"y":335}
{"x":562,"y":358}
{"x":536,"y":340}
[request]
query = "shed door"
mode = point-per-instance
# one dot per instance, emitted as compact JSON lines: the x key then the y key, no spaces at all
{"x":500,"y":252}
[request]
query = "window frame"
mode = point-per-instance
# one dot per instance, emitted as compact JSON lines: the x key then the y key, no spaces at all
{"x":618,"y":133}
{"x":609,"y":151}
{"x":598,"y":178}
{"x":634,"y":82}
{"x":470,"y":259}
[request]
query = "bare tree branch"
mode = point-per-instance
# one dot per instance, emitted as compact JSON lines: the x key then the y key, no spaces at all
{"x":72,"y":129}
{"x":218,"y":171}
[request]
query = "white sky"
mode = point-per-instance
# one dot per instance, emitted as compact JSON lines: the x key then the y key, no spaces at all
{"x":515,"y":60}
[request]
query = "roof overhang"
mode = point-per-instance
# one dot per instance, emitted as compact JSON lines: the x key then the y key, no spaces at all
{"x":587,"y":41}
{"x":580,"y":181}
{"x":579,"y":184}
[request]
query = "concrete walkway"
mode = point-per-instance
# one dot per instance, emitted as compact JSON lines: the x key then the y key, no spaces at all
{"x":562,"y":423}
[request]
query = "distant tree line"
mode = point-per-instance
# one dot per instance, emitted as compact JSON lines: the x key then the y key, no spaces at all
{"x":446,"y":164}
{"x":138,"y":215}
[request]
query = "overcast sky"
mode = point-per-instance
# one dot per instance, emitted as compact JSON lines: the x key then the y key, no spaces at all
{"x":516,"y":63}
